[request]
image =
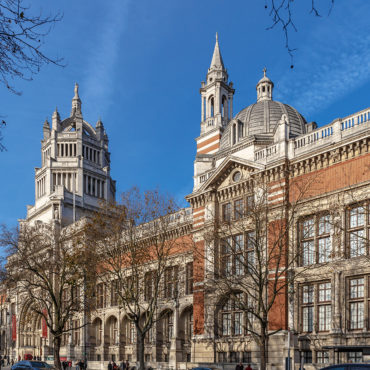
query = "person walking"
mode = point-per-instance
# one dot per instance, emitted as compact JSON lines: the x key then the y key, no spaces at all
{"x":122,"y":365}
{"x":110,"y":366}
{"x":248,"y":367}
{"x":239,"y":366}
{"x":127,"y":365}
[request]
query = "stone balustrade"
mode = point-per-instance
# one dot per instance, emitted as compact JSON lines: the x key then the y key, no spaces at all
{"x":322,"y":136}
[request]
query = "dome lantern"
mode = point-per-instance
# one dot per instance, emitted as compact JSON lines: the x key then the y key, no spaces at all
{"x":264,"y":88}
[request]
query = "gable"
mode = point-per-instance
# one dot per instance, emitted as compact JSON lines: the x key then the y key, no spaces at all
{"x":232,"y":170}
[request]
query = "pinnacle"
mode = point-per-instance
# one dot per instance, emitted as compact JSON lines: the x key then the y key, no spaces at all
{"x":217,"y":61}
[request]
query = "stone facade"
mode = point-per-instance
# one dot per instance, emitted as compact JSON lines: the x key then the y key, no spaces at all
{"x":322,"y":316}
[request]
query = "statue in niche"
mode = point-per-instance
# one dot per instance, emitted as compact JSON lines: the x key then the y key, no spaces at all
{"x":56,"y":213}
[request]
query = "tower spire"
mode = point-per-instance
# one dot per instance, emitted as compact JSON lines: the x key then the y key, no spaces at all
{"x":76,"y":102}
{"x":217,"y":61}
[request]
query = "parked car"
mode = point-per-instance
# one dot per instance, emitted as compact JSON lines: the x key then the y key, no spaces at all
{"x":29,"y":365}
{"x":347,"y":367}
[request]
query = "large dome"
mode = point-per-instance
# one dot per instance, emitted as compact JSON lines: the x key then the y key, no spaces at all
{"x":263,"y":116}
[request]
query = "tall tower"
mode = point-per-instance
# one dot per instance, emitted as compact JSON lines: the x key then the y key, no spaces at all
{"x":217,"y":104}
{"x":75,"y":169}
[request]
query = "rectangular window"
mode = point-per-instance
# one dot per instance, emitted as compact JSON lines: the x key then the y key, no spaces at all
{"x":238,"y":209}
{"x":307,"y":313}
{"x":238,"y":323}
{"x":324,"y":318}
{"x":189,"y":278}
{"x":324,"y":292}
{"x":322,"y":357}
{"x":356,"y":311}
{"x":315,"y":239}
{"x":308,"y":253}
{"x":114,"y":293}
{"x":357,"y":217}
{"x":308,"y":294}
{"x":357,"y":243}
{"x":356,"y":288}
{"x":358,"y":230}
{"x":226,"y":212}
{"x":239,"y":254}
{"x":324,"y":249}
{"x":307,"y":357}
{"x":149,"y":285}
{"x":251,"y":243}
{"x":100,"y":295}
{"x":226,"y":324}
{"x":355,"y":356}
{"x":170,"y":282}
{"x":247,"y":357}
{"x":250,"y":203}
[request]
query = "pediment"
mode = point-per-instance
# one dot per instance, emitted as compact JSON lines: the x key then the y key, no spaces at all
{"x":226,"y":173}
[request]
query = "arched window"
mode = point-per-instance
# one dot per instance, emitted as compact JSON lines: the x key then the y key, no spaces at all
{"x":231,"y":317}
{"x":234,"y":134}
{"x":211,"y":106}
{"x":240,"y":130}
{"x":204,"y":109}
{"x":224,"y":107}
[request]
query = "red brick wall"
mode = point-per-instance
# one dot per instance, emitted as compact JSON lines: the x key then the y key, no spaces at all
{"x":334,"y":177}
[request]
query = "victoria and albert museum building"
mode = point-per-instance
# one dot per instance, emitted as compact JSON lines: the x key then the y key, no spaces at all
{"x":315,"y":182}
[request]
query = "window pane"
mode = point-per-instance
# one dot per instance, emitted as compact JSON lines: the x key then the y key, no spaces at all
{"x":238,"y":209}
{"x":324,"y":292}
{"x":324,"y":318}
{"x":356,"y":315}
{"x":324,"y":225}
{"x":357,"y":288}
{"x":308,"y":228}
{"x":307,"y":319}
{"x":308,"y":294}
{"x":239,"y":243}
{"x":226,"y":324}
{"x":324,"y":250}
{"x":308,"y":253}
{"x":357,"y":243}
{"x":238,"y":323}
{"x":356,"y":217}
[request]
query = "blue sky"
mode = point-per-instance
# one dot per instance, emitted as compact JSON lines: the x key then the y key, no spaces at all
{"x":139,"y":65}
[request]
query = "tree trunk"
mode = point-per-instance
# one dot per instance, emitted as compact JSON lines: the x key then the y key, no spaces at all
{"x":264,"y":347}
{"x":56,"y":341}
{"x":140,"y":351}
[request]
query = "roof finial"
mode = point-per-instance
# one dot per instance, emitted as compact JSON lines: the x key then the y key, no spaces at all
{"x":264,"y":71}
{"x":76,"y":90}
{"x":76,"y":102}
{"x":216,"y":36}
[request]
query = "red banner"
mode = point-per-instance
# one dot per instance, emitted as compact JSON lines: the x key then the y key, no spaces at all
{"x":44,"y":326}
{"x":14,"y":328}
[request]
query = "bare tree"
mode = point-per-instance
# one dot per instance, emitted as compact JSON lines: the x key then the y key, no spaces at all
{"x":138,"y":238}
{"x":282,"y":14}
{"x":22,"y":34}
{"x":52,"y":272}
{"x":2,"y":125}
{"x":253,"y":256}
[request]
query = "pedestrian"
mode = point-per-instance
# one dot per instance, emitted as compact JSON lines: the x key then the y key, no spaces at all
{"x":77,"y":365}
{"x":239,"y":366}
{"x":115,"y":367}
{"x":122,"y":365}
{"x":127,"y":365}
{"x":248,"y":367}
{"x":12,"y":362}
{"x":110,"y":366}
